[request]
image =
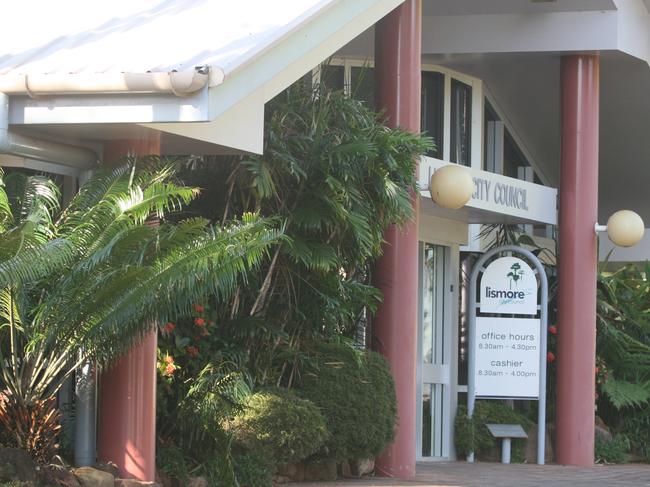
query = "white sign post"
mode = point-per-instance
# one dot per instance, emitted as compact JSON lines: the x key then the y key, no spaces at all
{"x":507,"y":355}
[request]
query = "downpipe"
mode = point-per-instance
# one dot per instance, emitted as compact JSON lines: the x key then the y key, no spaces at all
{"x":81,"y":158}
{"x":85,"y":444}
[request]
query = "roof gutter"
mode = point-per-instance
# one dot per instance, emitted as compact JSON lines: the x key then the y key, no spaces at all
{"x":39,"y":149}
{"x":179,"y":83}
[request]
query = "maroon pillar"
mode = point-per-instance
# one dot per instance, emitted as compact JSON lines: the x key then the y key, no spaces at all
{"x":578,"y":261}
{"x":127,"y":421}
{"x":398,"y":80}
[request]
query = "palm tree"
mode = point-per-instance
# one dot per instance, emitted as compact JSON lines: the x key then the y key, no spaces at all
{"x":87,"y":282}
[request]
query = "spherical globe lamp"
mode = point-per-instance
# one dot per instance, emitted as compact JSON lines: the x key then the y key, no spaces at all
{"x":451,"y":187}
{"x":625,"y":228}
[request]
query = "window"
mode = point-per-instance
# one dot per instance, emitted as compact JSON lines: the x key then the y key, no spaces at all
{"x":461,"y":123}
{"x":362,"y":80}
{"x":448,"y":105}
{"x":332,"y":77}
{"x":492,"y":140}
{"x":432,"y":119}
{"x":513,"y":159}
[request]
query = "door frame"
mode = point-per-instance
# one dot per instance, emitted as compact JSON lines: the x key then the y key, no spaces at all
{"x":450,"y":389}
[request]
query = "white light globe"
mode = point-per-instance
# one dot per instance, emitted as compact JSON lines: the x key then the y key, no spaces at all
{"x":625,"y":228}
{"x":451,"y":186}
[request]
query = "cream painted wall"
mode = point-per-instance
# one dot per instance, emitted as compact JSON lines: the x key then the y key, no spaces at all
{"x":440,"y":231}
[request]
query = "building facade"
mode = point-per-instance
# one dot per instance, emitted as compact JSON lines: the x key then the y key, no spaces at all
{"x":544,"y":101}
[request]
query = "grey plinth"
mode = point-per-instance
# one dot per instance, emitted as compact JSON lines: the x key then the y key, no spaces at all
{"x":506,"y":432}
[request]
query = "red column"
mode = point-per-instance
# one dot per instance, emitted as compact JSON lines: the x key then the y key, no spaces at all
{"x":578,"y":261}
{"x":398,"y":79}
{"x":127,"y":421}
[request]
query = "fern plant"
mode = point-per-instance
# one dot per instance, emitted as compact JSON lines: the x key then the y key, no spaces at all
{"x":623,"y":339}
{"x":88,"y":281}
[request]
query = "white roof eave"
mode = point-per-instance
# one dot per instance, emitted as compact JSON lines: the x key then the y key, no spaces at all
{"x":236,"y":107}
{"x":244,"y":73}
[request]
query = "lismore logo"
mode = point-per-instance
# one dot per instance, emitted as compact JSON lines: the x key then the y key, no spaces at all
{"x":508,"y":285}
{"x":515,"y":273}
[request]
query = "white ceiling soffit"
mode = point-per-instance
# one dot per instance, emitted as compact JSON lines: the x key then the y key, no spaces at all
{"x":481,"y":7}
{"x":236,"y":107}
{"x":465,"y":26}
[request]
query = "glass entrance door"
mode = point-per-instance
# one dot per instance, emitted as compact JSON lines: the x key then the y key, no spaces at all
{"x":434,"y":353}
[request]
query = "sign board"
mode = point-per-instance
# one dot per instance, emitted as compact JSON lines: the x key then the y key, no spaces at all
{"x":500,"y":195}
{"x":507,"y":430}
{"x":507,"y":354}
{"x":509,"y":286}
{"x":507,"y":357}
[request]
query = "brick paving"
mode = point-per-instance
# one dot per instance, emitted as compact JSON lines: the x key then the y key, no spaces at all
{"x":460,"y":474}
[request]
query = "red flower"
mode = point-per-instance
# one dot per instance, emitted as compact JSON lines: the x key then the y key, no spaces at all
{"x":198,"y":308}
{"x":169,"y":370}
{"x":169,"y":359}
{"x":552,"y":330}
{"x":550,"y":357}
{"x":192,"y":351}
{"x":169,"y":327}
{"x":199,"y":321}
{"x":597,"y":370}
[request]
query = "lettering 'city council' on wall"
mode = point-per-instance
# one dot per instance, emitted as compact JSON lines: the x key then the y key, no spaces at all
{"x":500,"y":193}
{"x":496,"y":193}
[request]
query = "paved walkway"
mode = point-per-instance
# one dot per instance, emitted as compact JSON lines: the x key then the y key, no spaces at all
{"x":460,"y":474}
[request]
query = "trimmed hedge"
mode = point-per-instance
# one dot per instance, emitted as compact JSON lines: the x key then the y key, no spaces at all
{"x":356,"y":394}
{"x":254,"y":469}
{"x":287,"y":427}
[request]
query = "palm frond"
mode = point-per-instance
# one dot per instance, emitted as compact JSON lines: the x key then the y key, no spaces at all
{"x":626,"y":394}
{"x":31,"y":197}
{"x":6,"y":215}
{"x":36,"y":263}
{"x":94,"y":281}
{"x":119,"y":305}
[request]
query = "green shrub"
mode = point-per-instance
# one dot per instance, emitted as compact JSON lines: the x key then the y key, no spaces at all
{"x":254,"y":468}
{"x":356,"y":394}
{"x":636,"y":427}
{"x":170,"y":460}
{"x":473,"y":434}
{"x":277,"y":420}
{"x":217,"y":468}
{"x":613,"y":451}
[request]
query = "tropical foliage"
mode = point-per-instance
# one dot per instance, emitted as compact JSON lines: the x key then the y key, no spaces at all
{"x":87,"y":281}
{"x":335,"y":178}
{"x":623,"y":339}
